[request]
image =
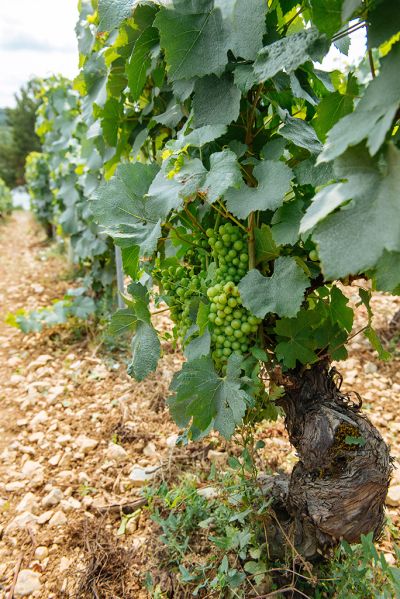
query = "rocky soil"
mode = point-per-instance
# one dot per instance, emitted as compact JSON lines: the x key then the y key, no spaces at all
{"x":79,"y":438}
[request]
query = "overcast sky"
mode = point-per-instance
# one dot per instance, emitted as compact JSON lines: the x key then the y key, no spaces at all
{"x":36,"y":38}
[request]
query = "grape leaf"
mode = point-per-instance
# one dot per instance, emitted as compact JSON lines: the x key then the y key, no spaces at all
{"x":329,"y":110}
{"x":286,"y":54}
{"x":198,"y":347}
{"x":113,"y":12}
{"x":216,"y":101}
{"x":224,"y":173}
{"x":383,"y":22}
{"x":286,"y":222}
{"x":122,"y":321}
{"x":140,"y":61}
{"x":340,"y":312}
{"x":361,"y":171}
{"x":82,"y":307}
{"x":353,"y":239}
{"x":140,"y":301}
{"x":245,"y":23}
{"x":327,"y":15}
{"x":349,"y":7}
{"x":376,"y":343}
{"x":298,"y":342}
{"x":273,"y":183}
{"x":119,"y":207}
{"x":200,"y":47}
{"x":110,"y":120}
{"x":197,"y":138}
{"x":244,"y":77}
{"x":281,"y":294}
{"x":266,"y":248}
{"x":301,"y":134}
{"x":146,"y":351}
{"x":373,"y":115}
{"x":167,"y":193}
{"x":204,"y":398}
{"x":130,"y":261}
{"x":370,"y":333}
{"x":388,"y":272}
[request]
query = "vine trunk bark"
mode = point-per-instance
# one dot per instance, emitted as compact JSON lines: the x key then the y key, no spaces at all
{"x":337,"y":489}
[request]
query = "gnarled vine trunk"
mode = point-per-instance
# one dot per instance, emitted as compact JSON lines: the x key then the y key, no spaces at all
{"x":337,"y":490}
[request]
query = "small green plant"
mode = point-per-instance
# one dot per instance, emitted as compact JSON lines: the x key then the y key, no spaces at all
{"x":85,"y":489}
{"x":214,"y":536}
{"x":361,"y":572}
{"x":75,"y":304}
{"x":218,"y":541}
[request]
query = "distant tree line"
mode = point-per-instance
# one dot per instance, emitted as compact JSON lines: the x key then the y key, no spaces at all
{"x":17,"y":134}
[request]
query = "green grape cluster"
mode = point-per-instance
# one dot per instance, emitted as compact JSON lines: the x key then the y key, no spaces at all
{"x":234,"y":327}
{"x":229,"y":249}
{"x":180,"y":284}
{"x":196,"y":254}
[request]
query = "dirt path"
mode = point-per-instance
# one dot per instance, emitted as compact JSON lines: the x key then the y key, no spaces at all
{"x":62,"y":407}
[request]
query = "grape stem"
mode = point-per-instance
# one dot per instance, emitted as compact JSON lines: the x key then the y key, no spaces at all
{"x":252,"y":242}
{"x":193,"y":220}
{"x":228,"y":215}
{"x":160,"y":311}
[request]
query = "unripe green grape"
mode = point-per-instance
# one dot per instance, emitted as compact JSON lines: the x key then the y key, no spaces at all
{"x":229,"y":331}
{"x":246,"y":328}
{"x":314,"y":255}
{"x":210,"y":232}
{"x":235,"y":324}
{"x":227,"y":351}
{"x":218,"y":321}
{"x":232,"y":302}
{"x":238,"y":245}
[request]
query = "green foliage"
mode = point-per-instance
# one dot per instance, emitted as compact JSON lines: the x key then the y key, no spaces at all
{"x":37,"y":176}
{"x":214,"y":545}
{"x":74,"y":305}
{"x":18,"y":137}
{"x":280,"y":294}
{"x":241,"y":183}
{"x":5,"y":199}
{"x":207,"y":399}
{"x":360,"y":571}
{"x":63,"y":178}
